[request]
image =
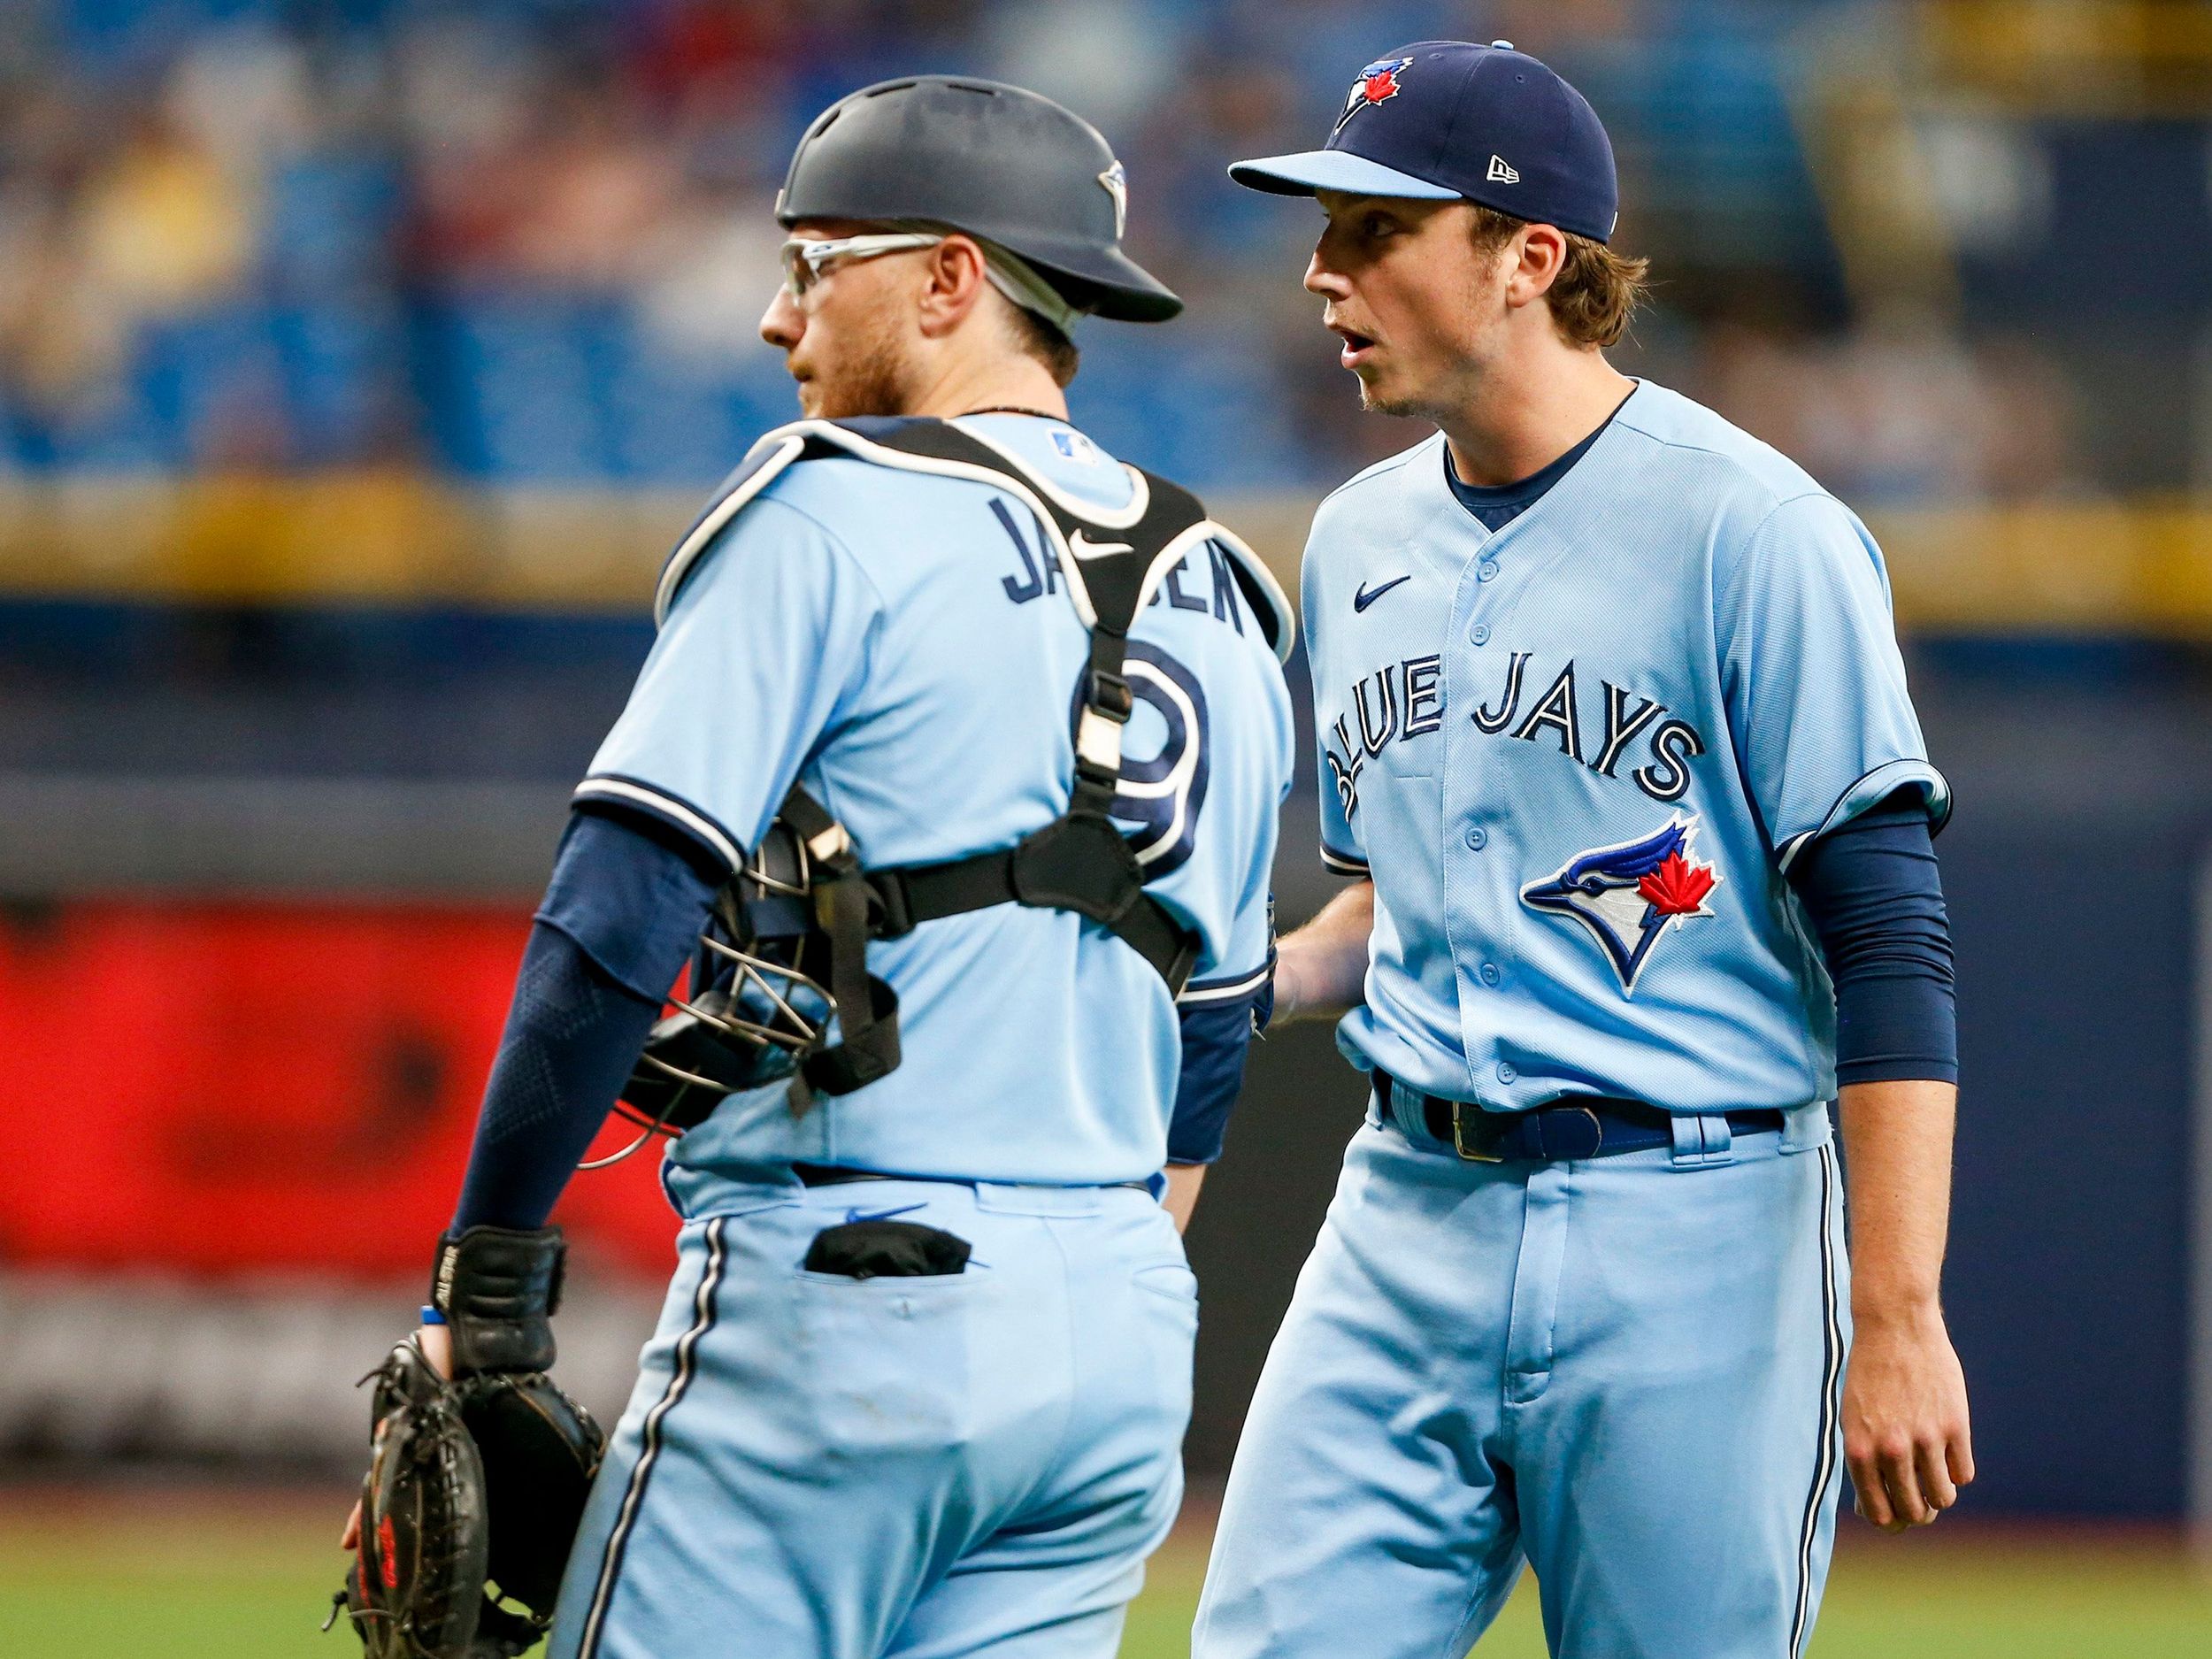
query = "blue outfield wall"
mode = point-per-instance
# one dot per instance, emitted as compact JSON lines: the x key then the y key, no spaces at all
{"x":2068,"y":1285}
{"x":2072,"y":867}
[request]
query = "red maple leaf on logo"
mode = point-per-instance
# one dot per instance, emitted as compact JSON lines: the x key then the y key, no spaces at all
{"x":1381,"y":85}
{"x":1678,"y":887}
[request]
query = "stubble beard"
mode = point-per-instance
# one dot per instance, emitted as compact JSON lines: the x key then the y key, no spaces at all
{"x":1449,"y":388}
{"x":1398,"y":408}
{"x":872,"y":375}
{"x":1403,"y":408}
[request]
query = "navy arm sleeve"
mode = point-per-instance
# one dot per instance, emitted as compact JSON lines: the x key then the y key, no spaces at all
{"x":1217,"y":1036}
{"x":1871,"y":891}
{"x":621,"y":918}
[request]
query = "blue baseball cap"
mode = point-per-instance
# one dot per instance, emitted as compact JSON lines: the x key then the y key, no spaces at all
{"x":1447,"y":120}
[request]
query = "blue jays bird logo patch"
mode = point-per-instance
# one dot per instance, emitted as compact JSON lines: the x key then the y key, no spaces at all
{"x":1629,"y":894}
{"x":1379,"y":81}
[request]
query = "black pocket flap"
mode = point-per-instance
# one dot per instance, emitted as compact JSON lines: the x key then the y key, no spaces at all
{"x":886,"y":1249}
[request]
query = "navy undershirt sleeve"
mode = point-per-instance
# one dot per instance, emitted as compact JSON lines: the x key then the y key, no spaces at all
{"x":620,"y":920}
{"x":1872,"y":894}
{"x":1216,"y":1037}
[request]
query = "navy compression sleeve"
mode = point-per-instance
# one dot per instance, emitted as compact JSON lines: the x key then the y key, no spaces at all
{"x":1215,"y":1036}
{"x":620,"y":920}
{"x":1872,"y":894}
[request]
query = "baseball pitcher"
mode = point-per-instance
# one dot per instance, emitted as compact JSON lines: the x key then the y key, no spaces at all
{"x":1615,"y":746}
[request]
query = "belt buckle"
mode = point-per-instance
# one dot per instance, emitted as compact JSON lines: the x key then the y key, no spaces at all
{"x":1459,"y":1138}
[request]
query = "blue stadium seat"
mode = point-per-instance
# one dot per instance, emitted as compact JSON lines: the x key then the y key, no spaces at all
{"x":515,"y":380}
{"x":687,"y":420}
{"x":342,"y":363}
{"x":1203,"y":409}
{"x":329,"y":221}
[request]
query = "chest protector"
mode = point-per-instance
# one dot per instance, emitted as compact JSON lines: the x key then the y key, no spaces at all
{"x":788,"y":944}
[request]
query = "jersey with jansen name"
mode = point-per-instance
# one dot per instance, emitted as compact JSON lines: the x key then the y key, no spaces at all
{"x":1578,"y":755}
{"x":902,"y":645}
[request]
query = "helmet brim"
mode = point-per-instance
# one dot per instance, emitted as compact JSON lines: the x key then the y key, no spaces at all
{"x":1104,"y":282}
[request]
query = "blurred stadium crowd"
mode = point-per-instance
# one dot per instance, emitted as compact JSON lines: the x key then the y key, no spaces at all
{"x":528,"y":240}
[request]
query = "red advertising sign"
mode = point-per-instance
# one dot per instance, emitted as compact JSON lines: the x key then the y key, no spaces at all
{"x":228,"y":1087}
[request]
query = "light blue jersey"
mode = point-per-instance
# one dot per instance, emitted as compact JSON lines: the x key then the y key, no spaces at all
{"x":901,"y":643}
{"x":1580,"y":753}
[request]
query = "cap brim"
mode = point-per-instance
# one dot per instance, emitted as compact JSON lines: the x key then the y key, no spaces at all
{"x":1314,"y":170}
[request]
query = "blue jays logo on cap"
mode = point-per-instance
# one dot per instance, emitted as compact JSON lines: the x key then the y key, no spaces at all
{"x":1628,"y":895}
{"x":1379,"y":81}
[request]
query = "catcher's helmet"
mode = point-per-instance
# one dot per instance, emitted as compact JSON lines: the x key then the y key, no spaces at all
{"x":1004,"y":165}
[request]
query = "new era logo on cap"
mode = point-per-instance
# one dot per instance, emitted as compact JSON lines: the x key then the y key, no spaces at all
{"x":1502,"y":172}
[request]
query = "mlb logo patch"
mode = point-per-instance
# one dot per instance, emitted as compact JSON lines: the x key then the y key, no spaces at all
{"x":1630,"y":895}
{"x":1075,"y":446}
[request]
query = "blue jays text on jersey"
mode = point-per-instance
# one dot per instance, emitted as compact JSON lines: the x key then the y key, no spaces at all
{"x":1405,"y":699}
{"x":878,"y":633}
{"x":1578,"y":753}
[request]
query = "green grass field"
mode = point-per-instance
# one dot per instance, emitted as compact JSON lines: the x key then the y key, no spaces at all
{"x":222,"y":1574}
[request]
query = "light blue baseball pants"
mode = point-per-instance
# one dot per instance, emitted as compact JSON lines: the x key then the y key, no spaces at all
{"x":1623,"y":1371}
{"x":815,"y":1467}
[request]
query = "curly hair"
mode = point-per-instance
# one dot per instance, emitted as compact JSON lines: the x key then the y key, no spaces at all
{"x":1596,"y":293}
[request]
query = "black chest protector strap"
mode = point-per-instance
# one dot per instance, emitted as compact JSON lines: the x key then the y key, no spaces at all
{"x":1079,"y":861}
{"x":867,"y":1007}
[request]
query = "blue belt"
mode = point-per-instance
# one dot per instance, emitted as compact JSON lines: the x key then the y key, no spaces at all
{"x":1585,"y":1126}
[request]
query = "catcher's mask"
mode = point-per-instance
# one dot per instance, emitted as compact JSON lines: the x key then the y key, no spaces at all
{"x":757,"y":998}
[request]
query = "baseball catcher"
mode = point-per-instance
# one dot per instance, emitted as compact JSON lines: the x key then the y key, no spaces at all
{"x":951,"y":787}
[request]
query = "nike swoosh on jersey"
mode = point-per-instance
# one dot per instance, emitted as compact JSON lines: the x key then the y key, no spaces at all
{"x":1364,"y":597}
{"x":852,"y":1216}
{"x":1084,"y":547}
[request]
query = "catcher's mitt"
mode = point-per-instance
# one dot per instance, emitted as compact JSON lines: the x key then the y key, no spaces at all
{"x":472,"y":1482}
